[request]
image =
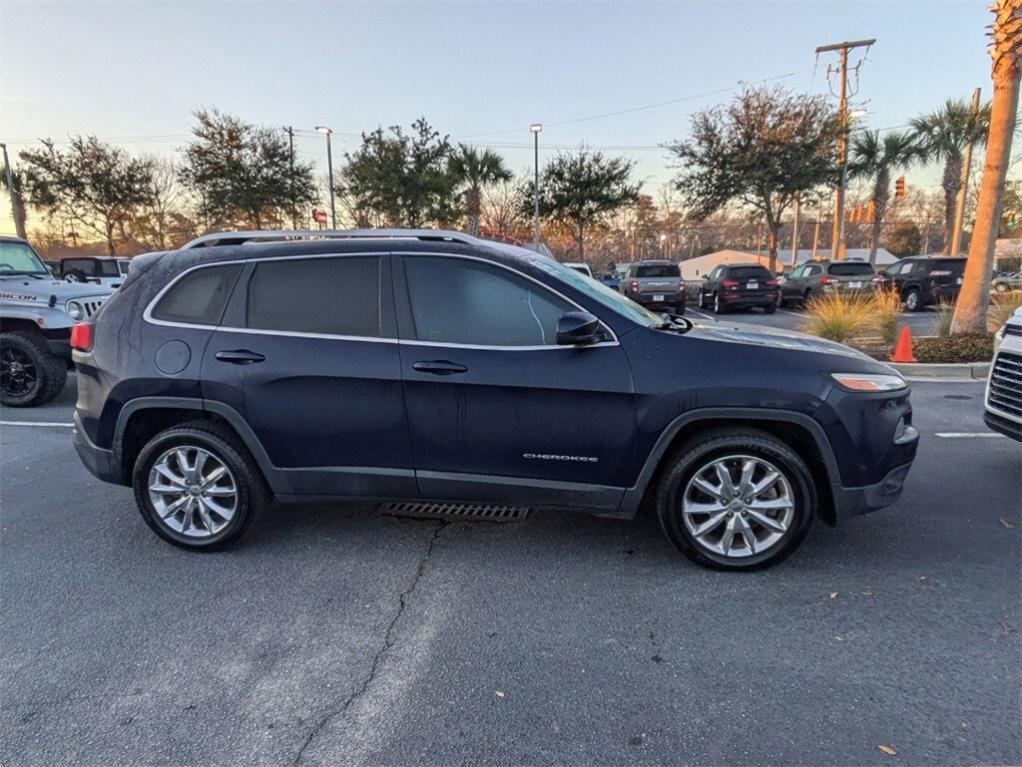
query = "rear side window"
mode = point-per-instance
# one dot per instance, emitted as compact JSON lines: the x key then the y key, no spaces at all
{"x":459,"y":301}
{"x":199,"y":298}
{"x":108,"y":269}
{"x":848,"y":269}
{"x":954,"y":265}
{"x":749,"y":272}
{"x":331,"y":296}
{"x":658,"y":270}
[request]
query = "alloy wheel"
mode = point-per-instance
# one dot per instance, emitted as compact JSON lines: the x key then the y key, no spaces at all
{"x":192,"y":491}
{"x":18,"y":373}
{"x":738,"y":506}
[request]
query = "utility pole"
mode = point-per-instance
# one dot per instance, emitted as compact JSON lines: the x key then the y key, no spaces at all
{"x":837,"y":239}
{"x":956,"y":232}
{"x":291,"y":180}
{"x":794,"y":235}
{"x":536,"y":129}
{"x":19,"y":224}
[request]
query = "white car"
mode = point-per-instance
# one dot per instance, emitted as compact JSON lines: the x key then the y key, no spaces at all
{"x":1004,"y":384}
{"x":578,"y":266}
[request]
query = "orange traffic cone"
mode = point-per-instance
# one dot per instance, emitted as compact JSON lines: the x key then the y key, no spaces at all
{"x":903,"y":349}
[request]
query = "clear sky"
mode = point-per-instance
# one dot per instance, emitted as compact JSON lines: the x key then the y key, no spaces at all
{"x":132,"y":73}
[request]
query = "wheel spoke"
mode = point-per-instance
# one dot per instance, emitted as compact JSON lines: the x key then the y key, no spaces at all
{"x":767,"y":521}
{"x":772,"y":504}
{"x":173,"y":508}
{"x":728,"y":538}
{"x":709,"y":525}
{"x":748,"y":469}
{"x":168,"y":474}
{"x":742,"y":527}
{"x":213,"y":476}
{"x":703,"y":508}
{"x":766,"y":483}
{"x":207,"y":520}
{"x":727,"y":487}
{"x":200,"y":461}
{"x":710,"y":490}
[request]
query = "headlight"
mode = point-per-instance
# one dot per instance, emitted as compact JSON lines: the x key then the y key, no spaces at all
{"x":869,"y":383}
{"x":75,"y":311}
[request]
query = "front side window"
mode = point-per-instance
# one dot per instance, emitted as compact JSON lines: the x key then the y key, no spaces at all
{"x":199,"y":297}
{"x":331,"y":296}
{"x":798,"y":272}
{"x":458,"y":301}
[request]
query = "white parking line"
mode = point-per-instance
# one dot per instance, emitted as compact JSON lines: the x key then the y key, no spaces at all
{"x":36,"y":423}
{"x":789,"y":311}
{"x":704,"y":315}
{"x":970,"y":435}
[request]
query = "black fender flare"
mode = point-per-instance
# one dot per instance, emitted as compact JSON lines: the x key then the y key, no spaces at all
{"x":633,"y":495}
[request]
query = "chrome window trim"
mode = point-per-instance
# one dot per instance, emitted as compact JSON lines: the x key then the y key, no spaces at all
{"x":147,"y":315}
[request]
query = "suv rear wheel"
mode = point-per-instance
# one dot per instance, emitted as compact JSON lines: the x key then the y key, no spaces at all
{"x":736,"y":499}
{"x":29,"y":374}
{"x":913,"y":300}
{"x":718,"y":307}
{"x":197,"y":486}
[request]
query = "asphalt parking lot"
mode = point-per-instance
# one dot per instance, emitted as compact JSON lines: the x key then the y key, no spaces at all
{"x":339,"y":635}
{"x":923,"y":323}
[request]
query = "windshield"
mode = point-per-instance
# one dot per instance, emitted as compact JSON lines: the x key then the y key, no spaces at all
{"x":19,"y":258}
{"x":600,"y":293}
{"x":848,"y":269}
{"x":659,"y":270}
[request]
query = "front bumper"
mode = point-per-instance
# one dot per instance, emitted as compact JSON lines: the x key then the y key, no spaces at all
{"x":854,"y":501}
{"x":1003,"y":425}
{"x":98,"y":461}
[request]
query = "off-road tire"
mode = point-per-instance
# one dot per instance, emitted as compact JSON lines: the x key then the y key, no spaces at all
{"x":253,"y":494}
{"x":694,"y":453}
{"x":51,"y":370}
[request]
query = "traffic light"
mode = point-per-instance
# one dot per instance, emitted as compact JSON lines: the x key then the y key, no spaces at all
{"x":899,"y":187}
{"x":1012,"y":221}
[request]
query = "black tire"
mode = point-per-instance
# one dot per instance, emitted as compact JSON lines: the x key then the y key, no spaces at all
{"x":679,"y":309}
{"x":693,"y":455}
{"x":75,"y":275}
{"x":770,"y":309}
{"x":252,"y":493}
{"x":1001,"y":287}
{"x":718,"y":307}
{"x":702,"y":300}
{"x":48,"y":373}
{"x":913,"y":300}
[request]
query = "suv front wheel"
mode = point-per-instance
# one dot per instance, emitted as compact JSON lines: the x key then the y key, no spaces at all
{"x":197,"y":486}
{"x":736,"y":499}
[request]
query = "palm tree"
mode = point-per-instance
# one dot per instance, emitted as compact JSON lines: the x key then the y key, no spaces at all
{"x":475,"y":170}
{"x":942,"y":136}
{"x":875,"y":158}
{"x":1006,"y":51}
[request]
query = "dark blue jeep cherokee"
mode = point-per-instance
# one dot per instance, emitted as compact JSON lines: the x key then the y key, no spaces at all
{"x":396,"y":365}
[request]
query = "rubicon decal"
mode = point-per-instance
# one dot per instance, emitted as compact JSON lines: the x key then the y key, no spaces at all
{"x":552,"y":457}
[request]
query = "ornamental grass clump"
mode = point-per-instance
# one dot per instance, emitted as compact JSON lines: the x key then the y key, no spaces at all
{"x":886,"y":310}
{"x":1002,"y":306}
{"x":837,"y":317}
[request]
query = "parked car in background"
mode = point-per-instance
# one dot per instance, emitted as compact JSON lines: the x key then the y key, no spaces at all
{"x":1004,"y":384}
{"x":922,"y":281}
{"x":107,"y":271}
{"x":655,"y":283}
{"x":817,"y":278}
{"x":739,"y":286}
{"x":425,"y":365}
{"x":1006,"y":282}
{"x":579,"y":266}
{"x":36,"y":315}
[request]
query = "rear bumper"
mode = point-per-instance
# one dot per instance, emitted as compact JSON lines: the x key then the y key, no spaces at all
{"x":854,"y":501}
{"x":1003,"y":425}
{"x":669,"y":299}
{"x":740,"y":301}
{"x":98,"y":461}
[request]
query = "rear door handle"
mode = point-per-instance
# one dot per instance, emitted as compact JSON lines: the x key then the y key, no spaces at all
{"x":439,"y":367}
{"x":240,"y":357}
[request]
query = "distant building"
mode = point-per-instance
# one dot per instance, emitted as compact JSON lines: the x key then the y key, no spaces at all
{"x":697,"y":268}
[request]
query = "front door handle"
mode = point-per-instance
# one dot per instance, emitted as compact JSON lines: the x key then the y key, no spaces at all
{"x":240,"y":357}
{"x":439,"y":367}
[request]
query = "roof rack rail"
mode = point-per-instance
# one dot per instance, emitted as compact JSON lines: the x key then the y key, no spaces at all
{"x":239,"y":238}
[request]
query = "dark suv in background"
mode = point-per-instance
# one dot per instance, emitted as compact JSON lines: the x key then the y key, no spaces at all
{"x":655,"y":284}
{"x":922,"y":281}
{"x":739,"y":286}
{"x":406,"y":365}
{"x":817,"y":278}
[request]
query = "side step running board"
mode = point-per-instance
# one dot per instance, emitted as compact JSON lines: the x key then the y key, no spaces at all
{"x":457,"y":511}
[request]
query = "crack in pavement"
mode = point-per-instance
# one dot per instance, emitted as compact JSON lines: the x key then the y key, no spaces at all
{"x":388,"y":642}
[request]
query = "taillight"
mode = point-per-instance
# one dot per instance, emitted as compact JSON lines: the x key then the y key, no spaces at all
{"x":772,"y":283}
{"x":940,"y":273}
{"x":633,"y":286}
{"x":828,"y":281}
{"x":878,"y":278}
{"x":681,"y":285}
{"x":729,"y":284}
{"x":81,"y":336}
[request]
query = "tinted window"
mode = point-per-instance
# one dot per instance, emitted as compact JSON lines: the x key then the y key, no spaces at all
{"x":459,"y":301}
{"x":812,"y":270}
{"x":848,"y":268}
{"x":749,"y":272}
{"x":335,"y":296}
{"x":657,"y":270}
{"x":78,"y":265}
{"x":199,"y":297}
{"x":954,"y":265}
{"x":798,"y":272}
{"x":107,"y":269}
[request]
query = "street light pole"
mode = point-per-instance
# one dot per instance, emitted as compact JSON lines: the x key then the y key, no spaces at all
{"x":536,"y":129}
{"x":330,"y":174}
{"x":19,"y":225}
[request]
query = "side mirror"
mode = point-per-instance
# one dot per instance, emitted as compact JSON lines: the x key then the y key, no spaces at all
{"x":578,"y":329}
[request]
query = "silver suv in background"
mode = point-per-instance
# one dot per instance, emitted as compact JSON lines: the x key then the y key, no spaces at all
{"x":36,"y":315}
{"x":1004,"y":384}
{"x":817,"y":278}
{"x":656,"y":284}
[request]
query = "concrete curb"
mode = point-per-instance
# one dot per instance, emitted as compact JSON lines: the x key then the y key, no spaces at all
{"x":921,"y":371}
